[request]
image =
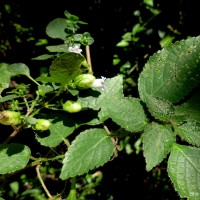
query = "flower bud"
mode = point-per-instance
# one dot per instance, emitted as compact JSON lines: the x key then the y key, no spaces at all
{"x":8,"y":117}
{"x":72,"y":106}
{"x":42,"y":125}
{"x":84,"y":81}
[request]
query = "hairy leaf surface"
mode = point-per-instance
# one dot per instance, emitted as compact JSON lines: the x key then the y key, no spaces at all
{"x":184,"y":170}
{"x":190,"y":132}
{"x":91,"y":148}
{"x":127,"y":112}
{"x":157,"y":142}
{"x":172,"y":72}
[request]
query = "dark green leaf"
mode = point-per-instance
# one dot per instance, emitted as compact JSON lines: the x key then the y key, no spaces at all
{"x":91,"y":148}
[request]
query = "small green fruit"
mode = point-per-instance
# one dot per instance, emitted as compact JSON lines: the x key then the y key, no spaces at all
{"x":84,"y":81}
{"x":42,"y":124}
{"x":8,"y":117}
{"x":72,"y":106}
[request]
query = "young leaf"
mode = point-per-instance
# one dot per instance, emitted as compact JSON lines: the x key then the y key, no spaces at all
{"x":91,"y":148}
{"x":157,"y":143}
{"x":127,"y":112}
{"x":58,"y":48}
{"x":172,"y":72}
{"x":184,"y":170}
{"x":13,"y":157}
{"x":56,"y":28}
{"x":61,"y":127}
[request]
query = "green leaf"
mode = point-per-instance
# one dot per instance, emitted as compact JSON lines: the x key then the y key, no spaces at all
{"x":13,"y":157}
{"x":184,"y":170}
{"x":157,"y":143}
{"x":58,"y":48}
{"x":190,"y":108}
{"x":43,"y":57}
{"x":159,"y":108}
{"x":56,"y":28}
{"x":8,"y":97}
{"x":10,"y":70}
{"x":91,"y":148}
{"x":61,"y":127}
{"x":173,"y":72}
{"x":127,"y":112}
{"x":190,"y":132}
{"x":113,"y":88}
{"x":65,"y":68}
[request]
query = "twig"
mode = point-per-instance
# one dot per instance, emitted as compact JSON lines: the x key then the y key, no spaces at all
{"x":87,"y":48}
{"x":13,"y":134}
{"x":42,"y":182}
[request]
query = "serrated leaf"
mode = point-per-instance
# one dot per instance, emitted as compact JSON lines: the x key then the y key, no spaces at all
{"x":184,"y":170}
{"x":61,"y":127}
{"x":56,"y":28}
{"x":13,"y":157}
{"x":157,"y":143}
{"x":172,"y":72}
{"x":190,"y":108}
{"x":190,"y":132}
{"x":159,"y":108}
{"x":113,"y":88}
{"x":91,"y":148}
{"x":127,"y":112}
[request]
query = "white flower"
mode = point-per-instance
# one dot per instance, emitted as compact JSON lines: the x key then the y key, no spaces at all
{"x":75,"y":49}
{"x":99,"y":83}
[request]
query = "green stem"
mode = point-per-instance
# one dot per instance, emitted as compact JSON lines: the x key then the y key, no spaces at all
{"x":46,"y":103}
{"x":33,"y":80}
{"x":72,"y":194}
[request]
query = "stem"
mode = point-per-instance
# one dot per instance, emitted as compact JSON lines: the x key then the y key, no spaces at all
{"x":87,"y":48}
{"x":13,"y":134}
{"x":42,"y":182}
{"x":45,"y":104}
{"x":33,"y":80}
{"x":66,"y":142}
{"x":72,"y":193}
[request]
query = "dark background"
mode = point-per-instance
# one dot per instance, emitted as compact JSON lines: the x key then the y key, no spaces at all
{"x":125,"y":177}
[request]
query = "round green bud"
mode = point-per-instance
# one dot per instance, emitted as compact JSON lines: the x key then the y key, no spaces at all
{"x":42,"y":125}
{"x":72,"y":106}
{"x":8,"y":117}
{"x":84,"y":81}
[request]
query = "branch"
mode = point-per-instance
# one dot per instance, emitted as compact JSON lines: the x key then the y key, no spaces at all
{"x":42,"y":182}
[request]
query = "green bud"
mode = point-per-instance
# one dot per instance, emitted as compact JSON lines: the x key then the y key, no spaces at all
{"x":8,"y":117}
{"x":42,"y":125}
{"x":84,"y":81}
{"x":72,"y":106}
